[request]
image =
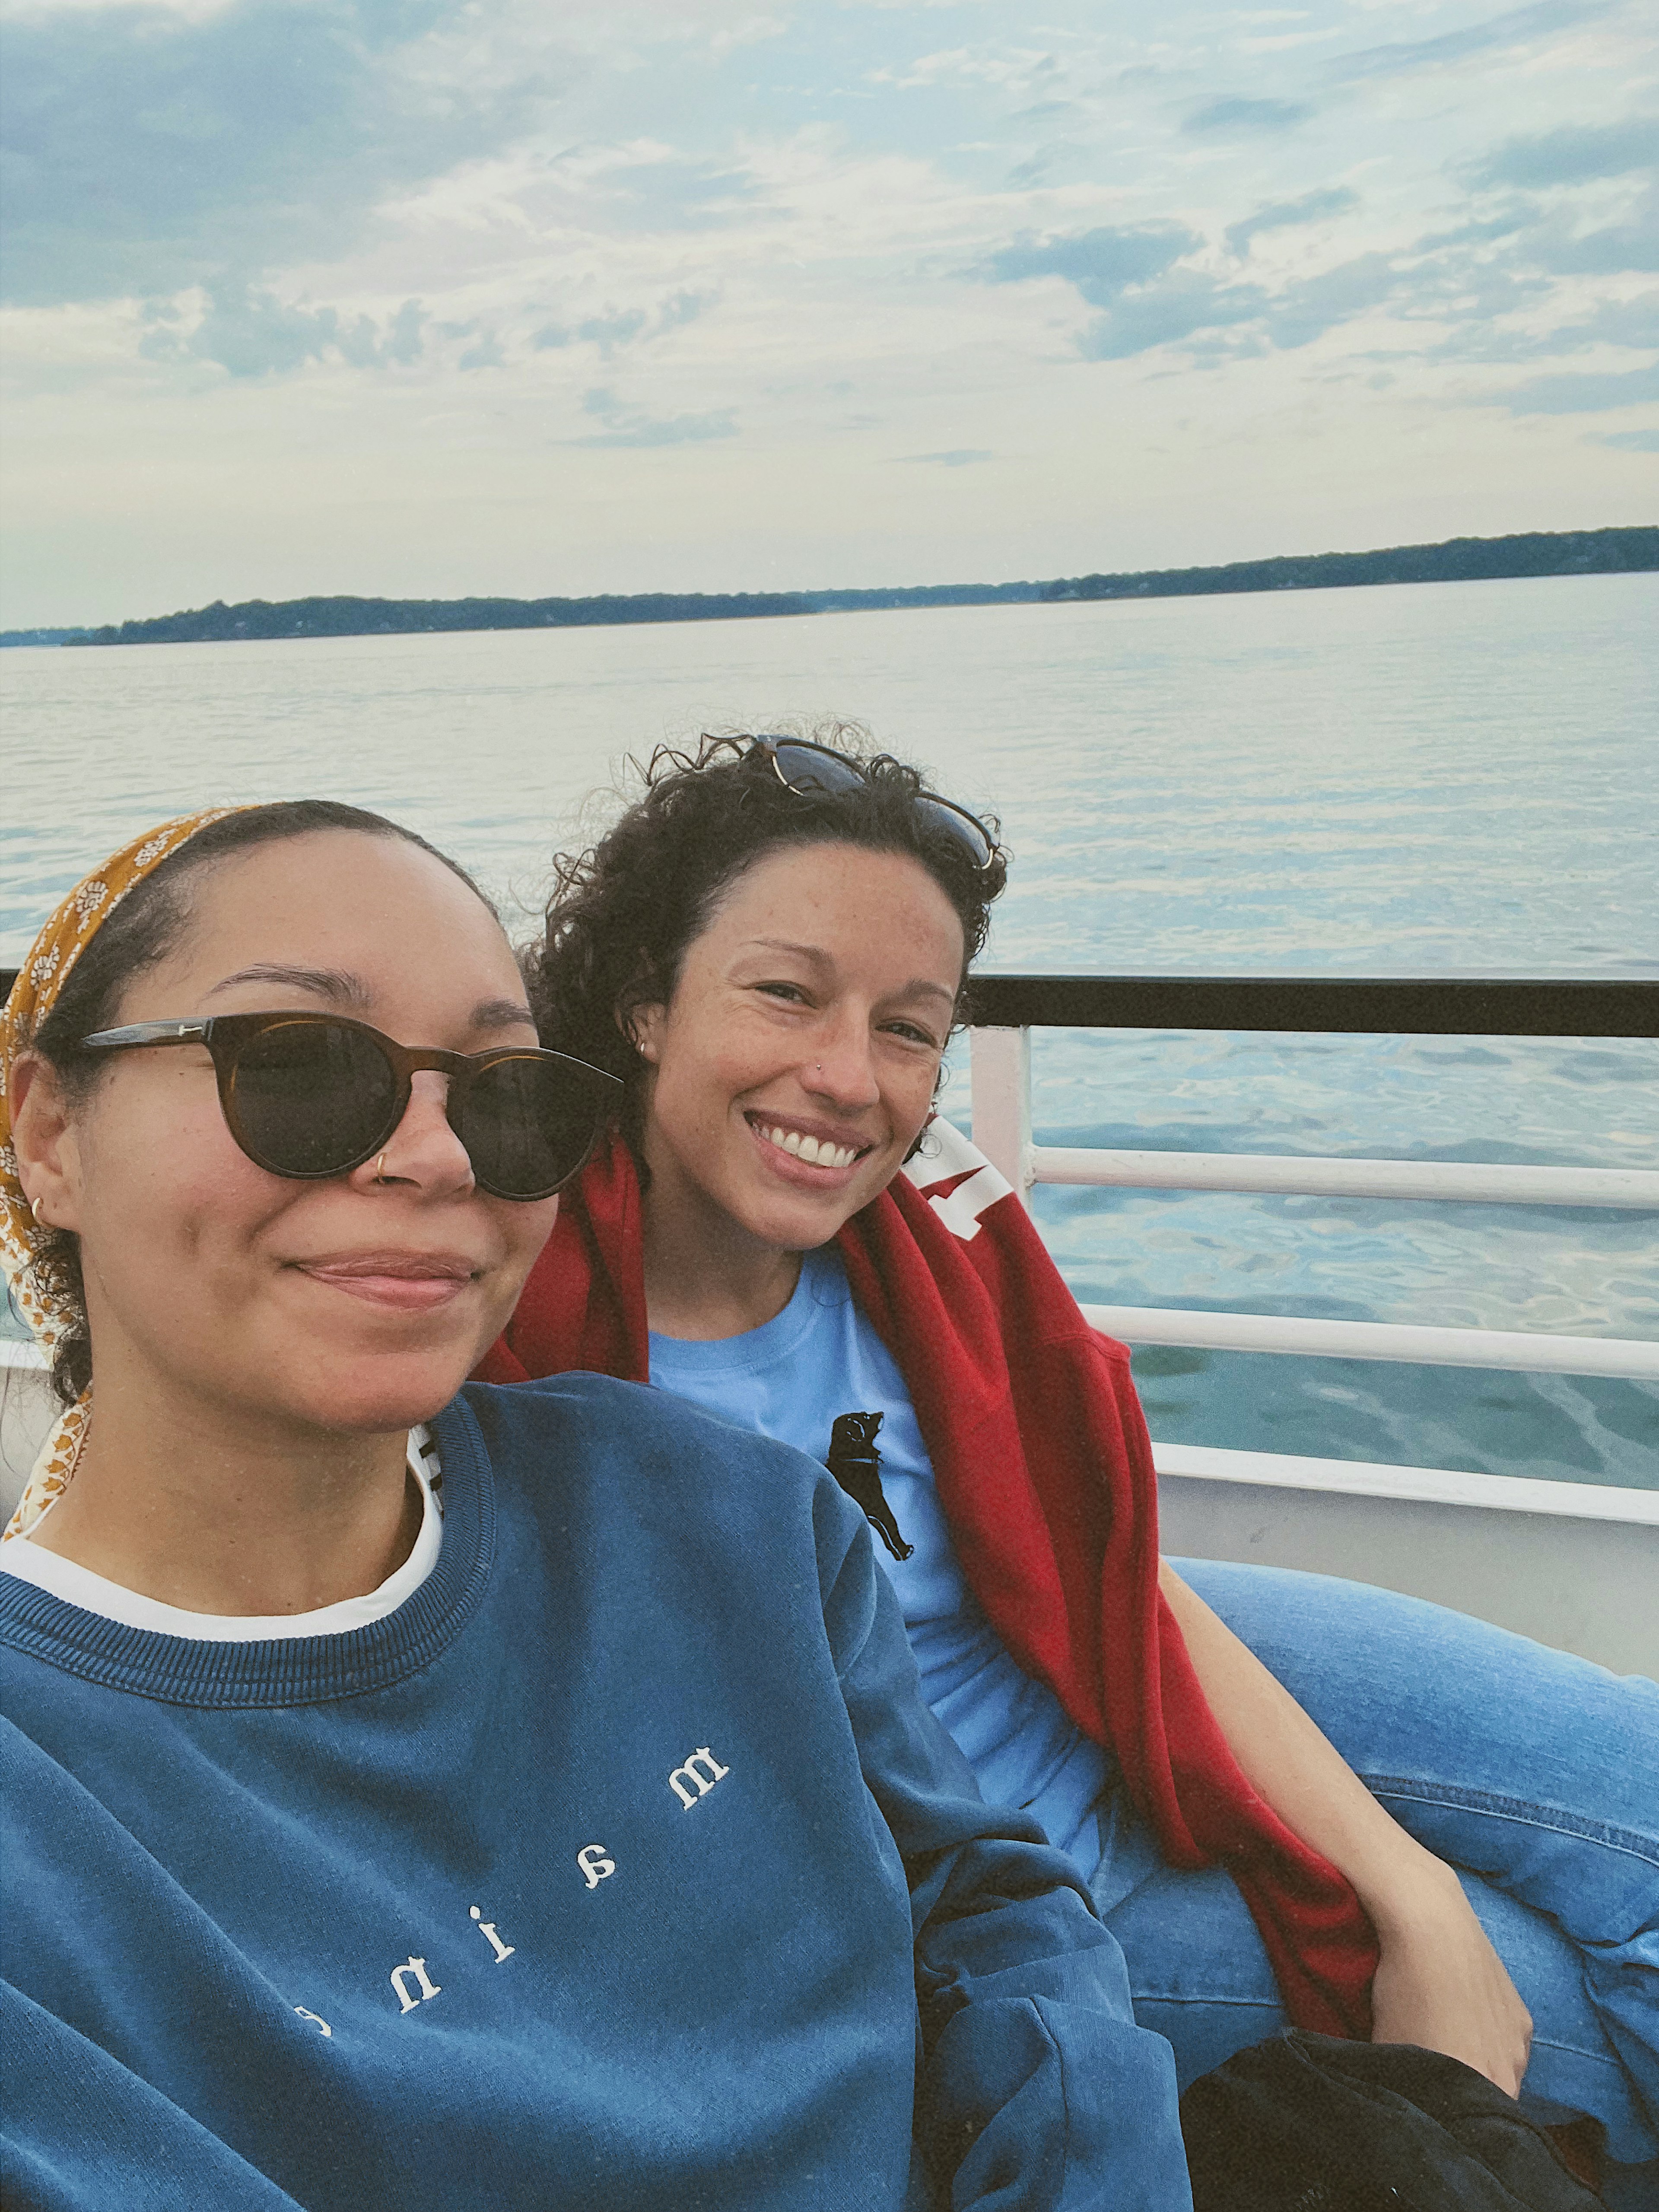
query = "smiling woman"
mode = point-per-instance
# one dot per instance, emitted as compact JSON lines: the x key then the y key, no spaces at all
{"x":336,"y":1691}
{"x":738,"y":1151}
{"x":768,"y":951}
{"x":714,"y":953}
{"x":163,"y":1234}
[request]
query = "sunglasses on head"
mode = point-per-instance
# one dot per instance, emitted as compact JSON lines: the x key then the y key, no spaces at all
{"x":307,"y":1095}
{"x":804,"y":767}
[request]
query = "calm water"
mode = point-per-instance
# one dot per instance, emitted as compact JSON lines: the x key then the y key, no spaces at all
{"x":1454,"y":779}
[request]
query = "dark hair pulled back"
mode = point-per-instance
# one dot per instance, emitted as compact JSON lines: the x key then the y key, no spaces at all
{"x":622,"y":913}
{"x":143,"y":929}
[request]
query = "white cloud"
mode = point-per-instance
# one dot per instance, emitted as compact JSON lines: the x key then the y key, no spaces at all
{"x":147,"y":150}
{"x":626,"y":425}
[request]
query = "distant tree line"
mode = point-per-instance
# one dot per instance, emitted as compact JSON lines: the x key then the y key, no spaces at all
{"x":926,"y":595}
{"x":352,"y":618}
{"x":1460,"y":560}
{"x":1538,"y":553}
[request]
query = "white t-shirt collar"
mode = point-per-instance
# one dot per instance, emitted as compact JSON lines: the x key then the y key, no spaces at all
{"x":78,"y":1586}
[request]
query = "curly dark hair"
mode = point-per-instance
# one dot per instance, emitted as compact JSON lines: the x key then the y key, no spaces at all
{"x":143,"y":930}
{"x":622,"y":913}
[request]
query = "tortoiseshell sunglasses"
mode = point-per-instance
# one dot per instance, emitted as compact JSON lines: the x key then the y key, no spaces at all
{"x":307,"y":1095}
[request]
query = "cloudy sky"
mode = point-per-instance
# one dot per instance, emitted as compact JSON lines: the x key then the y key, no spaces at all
{"x":414,"y":297}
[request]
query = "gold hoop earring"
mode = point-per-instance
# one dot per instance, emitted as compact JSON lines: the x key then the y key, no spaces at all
{"x":34,"y":1208}
{"x":380,"y":1168}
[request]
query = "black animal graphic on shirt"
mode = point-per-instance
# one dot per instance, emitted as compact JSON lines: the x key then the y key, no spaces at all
{"x":855,"y":1462}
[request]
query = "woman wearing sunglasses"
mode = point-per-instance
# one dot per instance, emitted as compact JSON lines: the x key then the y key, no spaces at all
{"x":436,"y":1796}
{"x":769,"y":948}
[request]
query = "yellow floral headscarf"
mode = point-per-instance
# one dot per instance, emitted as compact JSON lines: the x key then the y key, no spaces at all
{"x":42,"y":976}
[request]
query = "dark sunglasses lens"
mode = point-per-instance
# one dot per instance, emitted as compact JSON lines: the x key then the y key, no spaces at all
{"x":529,"y":1124}
{"x":962,"y":827}
{"x":314,"y":1098}
{"x":803,"y":768}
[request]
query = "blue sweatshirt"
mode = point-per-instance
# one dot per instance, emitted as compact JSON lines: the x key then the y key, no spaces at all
{"x":621,"y":1867}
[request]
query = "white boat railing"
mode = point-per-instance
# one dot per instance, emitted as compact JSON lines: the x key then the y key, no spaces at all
{"x":1519,"y":1351}
{"x":1001,"y":1072}
{"x":1297,"y":1176}
{"x":1573,"y":1564}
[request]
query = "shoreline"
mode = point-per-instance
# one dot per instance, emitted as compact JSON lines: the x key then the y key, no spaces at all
{"x":1618,"y":551}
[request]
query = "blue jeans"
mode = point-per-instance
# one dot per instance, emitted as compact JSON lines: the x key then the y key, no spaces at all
{"x":1533,"y":1773}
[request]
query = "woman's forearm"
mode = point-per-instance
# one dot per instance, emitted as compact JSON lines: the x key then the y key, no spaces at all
{"x":1439,"y":1984}
{"x":1296,"y":1770}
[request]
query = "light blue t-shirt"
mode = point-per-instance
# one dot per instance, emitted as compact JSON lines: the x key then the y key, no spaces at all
{"x":790,"y":1379}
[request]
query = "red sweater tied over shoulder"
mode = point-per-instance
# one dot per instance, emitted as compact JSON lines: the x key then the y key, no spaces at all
{"x":1044,"y":1470}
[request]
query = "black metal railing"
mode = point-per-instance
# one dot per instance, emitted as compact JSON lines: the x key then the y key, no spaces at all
{"x":1466,"y":1005}
{"x":1472,"y":1006}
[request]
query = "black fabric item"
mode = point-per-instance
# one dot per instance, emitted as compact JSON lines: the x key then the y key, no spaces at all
{"x":1308,"y":2123}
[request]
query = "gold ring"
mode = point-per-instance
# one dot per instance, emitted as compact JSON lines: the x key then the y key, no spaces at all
{"x":380,"y":1168}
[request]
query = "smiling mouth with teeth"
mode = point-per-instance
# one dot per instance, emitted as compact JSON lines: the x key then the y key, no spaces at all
{"x":817,"y":1151}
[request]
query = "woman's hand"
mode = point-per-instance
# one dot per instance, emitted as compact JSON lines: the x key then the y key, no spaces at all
{"x":1442,"y":1986}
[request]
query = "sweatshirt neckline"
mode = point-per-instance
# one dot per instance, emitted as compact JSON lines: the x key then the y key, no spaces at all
{"x":95,"y":1593}
{"x":290,"y":1670}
